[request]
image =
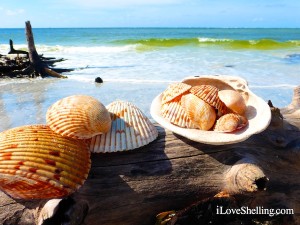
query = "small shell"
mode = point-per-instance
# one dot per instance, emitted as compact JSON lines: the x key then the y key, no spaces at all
{"x":233,"y":100}
{"x":130,"y":129}
{"x":202,"y":114}
{"x":79,"y":117}
{"x":174,"y":112}
{"x":36,"y":163}
{"x":209,"y":94}
{"x":230,"y":122}
{"x":174,"y":90}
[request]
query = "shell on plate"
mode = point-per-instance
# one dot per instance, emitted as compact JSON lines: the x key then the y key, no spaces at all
{"x":230,"y":123}
{"x":174,"y":112}
{"x":78,"y":116}
{"x":175,"y":90}
{"x":36,"y":163}
{"x":233,"y":100}
{"x":209,"y":94}
{"x":130,"y":129}
{"x":200,"y":113}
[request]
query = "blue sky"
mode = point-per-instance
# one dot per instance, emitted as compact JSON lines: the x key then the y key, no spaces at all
{"x":150,"y":13}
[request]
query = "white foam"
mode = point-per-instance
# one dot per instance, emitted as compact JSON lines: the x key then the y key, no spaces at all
{"x":84,"y":49}
{"x":117,"y":80}
{"x":203,"y":39}
{"x":281,"y":86}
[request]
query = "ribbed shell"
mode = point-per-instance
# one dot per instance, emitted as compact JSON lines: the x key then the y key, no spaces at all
{"x":209,"y":94}
{"x":36,"y":163}
{"x":173,"y":91}
{"x":78,"y":116}
{"x":230,"y":123}
{"x":200,"y":113}
{"x":130,"y":129}
{"x":174,"y":112}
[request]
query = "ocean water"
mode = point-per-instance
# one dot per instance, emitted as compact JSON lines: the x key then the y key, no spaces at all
{"x":137,"y":64}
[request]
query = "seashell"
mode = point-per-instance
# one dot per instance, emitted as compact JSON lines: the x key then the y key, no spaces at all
{"x":36,"y":163}
{"x":230,"y":122}
{"x":233,"y":100}
{"x":174,"y":112}
{"x":174,"y":90}
{"x":209,"y":94}
{"x":200,"y":113}
{"x":79,"y":117}
{"x":130,"y":129}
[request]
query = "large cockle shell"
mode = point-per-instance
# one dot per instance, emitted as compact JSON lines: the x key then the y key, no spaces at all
{"x":78,"y":116}
{"x":36,"y":163}
{"x":209,"y":94}
{"x":200,"y":113}
{"x":174,"y":112}
{"x":233,"y":100}
{"x":175,"y":90}
{"x":230,"y":122}
{"x":257,"y":112}
{"x":130,"y":129}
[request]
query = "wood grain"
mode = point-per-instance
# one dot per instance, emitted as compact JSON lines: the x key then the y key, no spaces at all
{"x":172,"y":172}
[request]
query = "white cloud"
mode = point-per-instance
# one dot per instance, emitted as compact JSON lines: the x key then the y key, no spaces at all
{"x":121,"y":3}
{"x":257,"y":19}
{"x":15,"y":12}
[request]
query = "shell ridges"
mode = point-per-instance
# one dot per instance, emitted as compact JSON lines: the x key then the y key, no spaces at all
{"x":36,"y":163}
{"x":130,"y":129}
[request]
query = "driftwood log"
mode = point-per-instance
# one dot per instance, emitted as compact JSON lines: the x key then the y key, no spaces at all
{"x":29,"y":64}
{"x":171,"y":173}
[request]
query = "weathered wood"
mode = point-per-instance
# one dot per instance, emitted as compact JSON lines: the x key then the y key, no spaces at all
{"x":14,"y":51}
{"x":40,"y":66}
{"x":173,"y":172}
{"x":31,"y":65}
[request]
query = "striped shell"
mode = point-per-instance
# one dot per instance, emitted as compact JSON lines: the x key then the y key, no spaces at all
{"x":173,"y":91}
{"x":233,"y":100}
{"x":36,"y":163}
{"x":201,"y":114}
{"x":174,"y":112}
{"x":230,"y":122}
{"x":79,"y":117}
{"x":130,"y":129}
{"x":209,"y":94}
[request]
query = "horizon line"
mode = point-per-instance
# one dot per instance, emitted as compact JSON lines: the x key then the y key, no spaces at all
{"x":141,"y":27}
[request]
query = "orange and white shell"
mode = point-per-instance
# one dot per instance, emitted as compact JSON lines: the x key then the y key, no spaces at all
{"x":174,"y":112}
{"x":209,"y":94}
{"x":175,"y":90}
{"x":36,"y":163}
{"x":230,"y":122}
{"x":78,"y":116}
{"x":130,"y":129}
{"x":233,"y":100}
{"x":200,"y":113}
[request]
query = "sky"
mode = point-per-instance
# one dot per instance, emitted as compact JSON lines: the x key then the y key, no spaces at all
{"x":150,"y":13}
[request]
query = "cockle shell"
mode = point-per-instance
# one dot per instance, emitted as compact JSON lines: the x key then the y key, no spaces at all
{"x":174,"y":112}
{"x":200,"y":113}
{"x":230,"y":122}
{"x":175,"y":90}
{"x":130,"y":129}
{"x":78,"y":116}
{"x":233,"y":100}
{"x":257,"y":112}
{"x":36,"y":163}
{"x":209,"y":94}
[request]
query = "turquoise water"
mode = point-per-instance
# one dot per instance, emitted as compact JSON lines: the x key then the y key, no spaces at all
{"x":136,"y":64}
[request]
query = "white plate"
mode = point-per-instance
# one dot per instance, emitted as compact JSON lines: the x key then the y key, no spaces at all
{"x":258,"y":112}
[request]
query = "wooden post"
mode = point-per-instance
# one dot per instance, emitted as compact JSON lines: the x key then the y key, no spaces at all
{"x":172,"y":172}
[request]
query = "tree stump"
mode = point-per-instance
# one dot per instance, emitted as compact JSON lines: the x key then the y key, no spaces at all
{"x":172,"y":172}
